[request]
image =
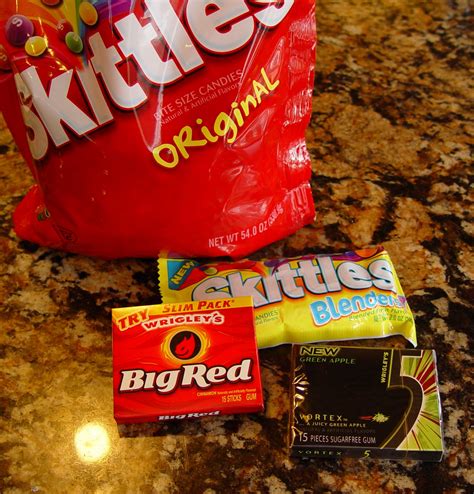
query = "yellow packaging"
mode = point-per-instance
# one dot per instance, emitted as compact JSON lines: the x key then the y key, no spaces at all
{"x":302,"y":299}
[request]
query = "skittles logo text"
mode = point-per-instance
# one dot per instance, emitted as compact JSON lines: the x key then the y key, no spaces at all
{"x":318,"y":276}
{"x":160,"y":47}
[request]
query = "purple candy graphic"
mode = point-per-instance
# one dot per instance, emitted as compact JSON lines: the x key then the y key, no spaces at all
{"x":18,"y":29}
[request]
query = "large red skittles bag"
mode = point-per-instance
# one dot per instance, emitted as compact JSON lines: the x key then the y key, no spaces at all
{"x":160,"y":124}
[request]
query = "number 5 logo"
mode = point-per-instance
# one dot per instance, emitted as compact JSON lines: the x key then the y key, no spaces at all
{"x":397,"y":380}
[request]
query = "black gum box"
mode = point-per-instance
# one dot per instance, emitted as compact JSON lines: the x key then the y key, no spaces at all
{"x":365,"y":402}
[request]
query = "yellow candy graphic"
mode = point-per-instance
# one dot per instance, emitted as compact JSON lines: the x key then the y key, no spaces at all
{"x":88,"y":13}
{"x":36,"y":46}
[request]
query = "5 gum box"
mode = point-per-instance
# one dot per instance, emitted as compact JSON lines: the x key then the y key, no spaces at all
{"x":365,"y":402}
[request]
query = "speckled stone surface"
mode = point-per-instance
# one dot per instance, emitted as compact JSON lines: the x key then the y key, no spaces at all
{"x":390,"y":139}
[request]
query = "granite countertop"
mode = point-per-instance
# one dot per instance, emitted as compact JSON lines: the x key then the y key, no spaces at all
{"x":390,"y":141}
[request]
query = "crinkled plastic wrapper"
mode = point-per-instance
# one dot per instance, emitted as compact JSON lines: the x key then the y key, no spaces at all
{"x":304,"y":299}
{"x":160,"y":124}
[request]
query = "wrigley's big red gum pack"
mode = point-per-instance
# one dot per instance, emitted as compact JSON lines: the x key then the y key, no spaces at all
{"x":189,"y":360}
{"x":160,"y":124}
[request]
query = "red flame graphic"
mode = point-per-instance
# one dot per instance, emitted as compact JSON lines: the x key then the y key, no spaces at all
{"x":185,"y":348}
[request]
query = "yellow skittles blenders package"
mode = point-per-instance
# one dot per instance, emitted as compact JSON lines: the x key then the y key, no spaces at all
{"x":304,"y":299}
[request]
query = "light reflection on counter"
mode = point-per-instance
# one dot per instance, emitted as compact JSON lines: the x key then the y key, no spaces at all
{"x":92,"y":442}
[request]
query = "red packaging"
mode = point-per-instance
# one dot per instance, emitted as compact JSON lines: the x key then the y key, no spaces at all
{"x":164,"y":121}
{"x":191,"y":360}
